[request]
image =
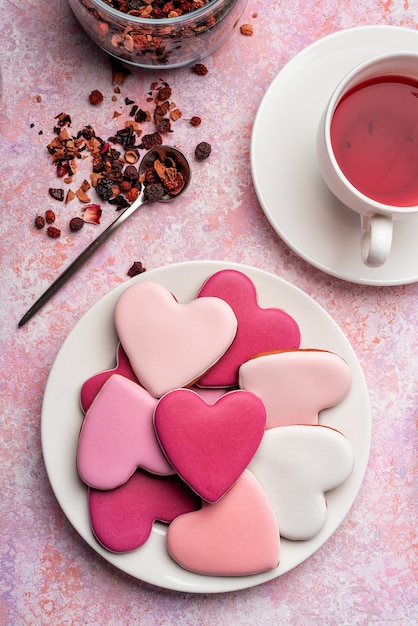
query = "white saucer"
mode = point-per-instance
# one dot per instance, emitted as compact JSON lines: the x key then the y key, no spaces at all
{"x":91,"y":347}
{"x":286,"y":177}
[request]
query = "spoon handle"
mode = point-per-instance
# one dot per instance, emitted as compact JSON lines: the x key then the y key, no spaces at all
{"x":81,"y":259}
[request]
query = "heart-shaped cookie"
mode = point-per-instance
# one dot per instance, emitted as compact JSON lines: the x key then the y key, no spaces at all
{"x":296,"y":465}
{"x":91,"y":387}
{"x":296,"y":385}
{"x":236,"y":536}
{"x":117,"y":436}
{"x":171,"y":345}
{"x":259,"y":329}
{"x":209,"y":445}
{"x":122,"y":519}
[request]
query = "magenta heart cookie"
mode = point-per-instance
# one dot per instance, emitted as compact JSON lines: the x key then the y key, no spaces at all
{"x":296,"y":466}
{"x":209,"y":445}
{"x":296,"y":385}
{"x":117,"y":436}
{"x":171,"y":345}
{"x":259,"y":329}
{"x":236,"y":536}
{"x":92,"y":385}
{"x":122,"y":519}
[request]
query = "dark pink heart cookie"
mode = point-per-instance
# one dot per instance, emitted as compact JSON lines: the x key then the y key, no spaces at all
{"x":122,"y":519}
{"x":92,"y":385}
{"x":260,"y":329}
{"x":209,"y":445}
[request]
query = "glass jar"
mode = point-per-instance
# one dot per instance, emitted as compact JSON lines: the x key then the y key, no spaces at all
{"x":169,"y":42}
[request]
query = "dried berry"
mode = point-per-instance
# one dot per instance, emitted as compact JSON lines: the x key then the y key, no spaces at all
{"x":104,"y":188}
{"x":195,"y":120}
{"x":164,"y":93}
{"x":202,"y":150}
{"x":135,"y":269}
{"x":57,"y":194}
{"x":163,"y":124}
{"x":132,"y":194}
{"x":154,"y":192}
{"x":76,"y":223}
{"x":130,"y":173}
{"x":53,"y":232}
{"x":96,"y":97}
{"x":200,"y":69}
{"x":39,"y":222}
{"x":50,"y":216}
{"x":125,"y":186}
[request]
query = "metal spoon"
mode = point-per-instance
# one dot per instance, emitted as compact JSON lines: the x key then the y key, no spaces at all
{"x":162,"y":153}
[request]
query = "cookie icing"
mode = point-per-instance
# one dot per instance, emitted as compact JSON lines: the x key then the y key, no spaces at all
{"x":209,"y":445}
{"x":171,"y":345}
{"x":296,"y":385}
{"x":296,"y":466}
{"x":122,"y":519}
{"x":259,"y":329}
{"x":117,"y":436}
{"x":236,"y":536}
{"x":91,"y":387}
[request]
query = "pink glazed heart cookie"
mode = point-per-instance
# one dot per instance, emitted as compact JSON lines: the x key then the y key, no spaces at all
{"x":209,"y":445}
{"x":296,"y":466}
{"x":259,"y":329}
{"x":236,"y":536}
{"x":92,"y":385}
{"x":117,"y":436}
{"x":122,"y":519}
{"x":171,"y":345}
{"x":296,"y":385}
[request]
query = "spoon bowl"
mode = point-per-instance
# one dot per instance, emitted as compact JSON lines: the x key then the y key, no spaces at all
{"x":167,"y":155}
{"x":174,"y":165}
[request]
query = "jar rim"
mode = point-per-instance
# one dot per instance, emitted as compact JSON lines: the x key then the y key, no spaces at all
{"x":163,"y":21}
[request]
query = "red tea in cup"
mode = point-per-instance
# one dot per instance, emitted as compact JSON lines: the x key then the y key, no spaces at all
{"x":374,"y":137}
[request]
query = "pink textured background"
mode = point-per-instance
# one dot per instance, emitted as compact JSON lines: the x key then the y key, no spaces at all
{"x":366,"y":573}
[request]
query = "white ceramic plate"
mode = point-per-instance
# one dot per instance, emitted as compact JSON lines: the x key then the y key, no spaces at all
{"x":91,"y":347}
{"x":286,"y":176}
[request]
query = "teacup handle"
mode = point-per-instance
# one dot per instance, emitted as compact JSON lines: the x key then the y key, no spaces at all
{"x":376,"y":239}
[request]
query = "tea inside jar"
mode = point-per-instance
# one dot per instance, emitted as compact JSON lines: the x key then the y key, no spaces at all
{"x":374,"y":136}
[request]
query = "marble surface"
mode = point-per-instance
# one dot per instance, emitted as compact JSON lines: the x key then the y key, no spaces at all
{"x":366,"y":573}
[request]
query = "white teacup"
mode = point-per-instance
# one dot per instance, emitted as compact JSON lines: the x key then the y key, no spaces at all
{"x":367,"y":147}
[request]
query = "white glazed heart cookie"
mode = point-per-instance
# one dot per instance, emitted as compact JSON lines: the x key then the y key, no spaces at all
{"x":296,"y":466}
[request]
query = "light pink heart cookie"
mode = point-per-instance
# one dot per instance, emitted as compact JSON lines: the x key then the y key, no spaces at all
{"x":92,"y":386}
{"x":117,"y":436}
{"x":171,"y":345}
{"x":209,"y":445}
{"x":296,"y":385}
{"x":259,"y":329}
{"x":122,"y":519}
{"x":236,"y":536}
{"x":296,"y":466}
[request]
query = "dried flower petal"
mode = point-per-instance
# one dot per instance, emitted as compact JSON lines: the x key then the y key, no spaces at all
{"x":92,"y":213}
